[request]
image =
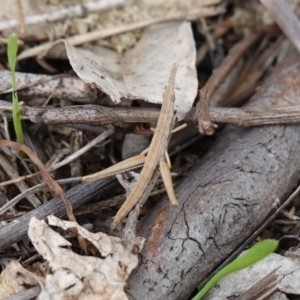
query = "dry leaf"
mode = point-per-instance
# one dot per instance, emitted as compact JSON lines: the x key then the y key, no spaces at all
{"x":141,"y":73}
{"x":84,"y":277}
{"x":15,"y":279}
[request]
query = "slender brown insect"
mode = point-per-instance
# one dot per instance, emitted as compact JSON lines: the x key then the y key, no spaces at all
{"x":156,"y":153}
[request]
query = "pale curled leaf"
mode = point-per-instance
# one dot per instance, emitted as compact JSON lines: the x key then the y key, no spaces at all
{"x":83,"y":277}
{"x":14,"y":279}
{"x":142,"y":71}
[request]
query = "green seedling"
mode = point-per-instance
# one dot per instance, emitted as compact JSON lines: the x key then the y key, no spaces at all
{"x":12,"y":49}
{"x":246,"y":259}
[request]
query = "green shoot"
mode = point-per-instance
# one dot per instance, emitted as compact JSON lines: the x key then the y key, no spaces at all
{"x":248,"y":258}
{"x":12,"y":49}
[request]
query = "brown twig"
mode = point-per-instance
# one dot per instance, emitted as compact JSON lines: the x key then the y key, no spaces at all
{"x":52,"y":183}
{"x":95,"y":115}
{"x":97,"y":35}
{"x":256,"y":116}
{"x":250,"y":74}
{"x":205,"y":124}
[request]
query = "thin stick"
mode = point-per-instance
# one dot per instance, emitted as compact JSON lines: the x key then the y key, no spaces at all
{"x":94,"y":115}
{"x":101,"y":34}
{"x":18,"y":179}
{"x":82,"y":150}
{"x":205,"y":124}
{"x":22,"y":186}
{"x":69,"y":12}
{"x":52,"y":183}
{"x":35,"y":189}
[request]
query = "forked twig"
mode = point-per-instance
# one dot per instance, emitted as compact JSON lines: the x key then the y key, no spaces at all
{"x":205,"y":124}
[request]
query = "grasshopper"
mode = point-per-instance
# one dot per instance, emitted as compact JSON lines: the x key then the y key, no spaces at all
{"x":156,"y":157}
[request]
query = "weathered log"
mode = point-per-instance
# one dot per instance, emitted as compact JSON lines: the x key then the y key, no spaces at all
{"x":224,"y":199}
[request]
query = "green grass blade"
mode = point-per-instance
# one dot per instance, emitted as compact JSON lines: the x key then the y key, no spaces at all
{"x":12,"y":50}
{"x":248,"y":258}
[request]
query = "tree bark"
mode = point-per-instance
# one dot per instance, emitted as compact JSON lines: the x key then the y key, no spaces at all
{"x":223,"y":199}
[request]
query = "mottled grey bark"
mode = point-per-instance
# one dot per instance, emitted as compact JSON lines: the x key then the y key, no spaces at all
{"x":223,"y":199}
